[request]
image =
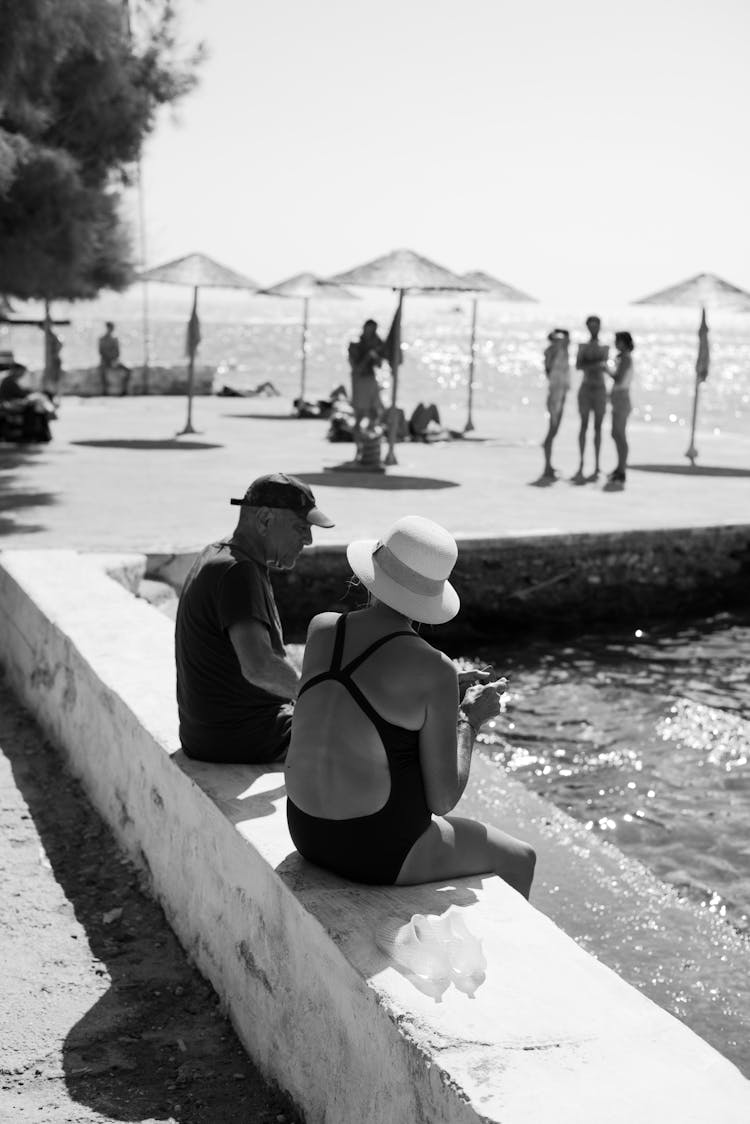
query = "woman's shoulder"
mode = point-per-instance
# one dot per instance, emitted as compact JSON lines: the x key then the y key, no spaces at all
{"x":322,"y":622}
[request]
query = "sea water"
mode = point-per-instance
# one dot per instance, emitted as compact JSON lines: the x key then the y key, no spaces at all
{"x":643,"y":736}
{"x":250,"y":339}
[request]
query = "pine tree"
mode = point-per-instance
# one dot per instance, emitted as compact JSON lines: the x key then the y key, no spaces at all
{"x":78,"y":96}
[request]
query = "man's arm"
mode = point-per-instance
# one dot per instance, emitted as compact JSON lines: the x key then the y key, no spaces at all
{"x":259,"y":663}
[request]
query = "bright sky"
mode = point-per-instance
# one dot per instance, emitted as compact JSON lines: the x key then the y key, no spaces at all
{"x":586,"y":151}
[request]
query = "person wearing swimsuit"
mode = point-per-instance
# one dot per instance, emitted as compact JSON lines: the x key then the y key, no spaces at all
{"x":380,"y":751}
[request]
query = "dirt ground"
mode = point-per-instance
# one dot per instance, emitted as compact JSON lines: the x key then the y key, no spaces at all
{"x":103,"y":1017}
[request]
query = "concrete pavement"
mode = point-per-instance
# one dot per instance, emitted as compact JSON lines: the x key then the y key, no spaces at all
{"x":116,"y":478}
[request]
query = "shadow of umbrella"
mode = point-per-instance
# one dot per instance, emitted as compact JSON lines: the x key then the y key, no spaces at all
{"x":199,"y":272}
{"x":307,"y":287}
{"x":705,"y":291}
{"x":402,"y":271}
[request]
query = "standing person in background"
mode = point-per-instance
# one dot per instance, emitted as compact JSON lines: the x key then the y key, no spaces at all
{"x":622,"y":378}
{"x":52,"y":376}
{"x":365,"y":356}
{"x":557,"y":370}
{"x":592,"y":393}
{"x":109,"y":360}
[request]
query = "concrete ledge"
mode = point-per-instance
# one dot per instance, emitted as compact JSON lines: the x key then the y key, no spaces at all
{"x":517,"y":581}
{"x":551,"y":1034}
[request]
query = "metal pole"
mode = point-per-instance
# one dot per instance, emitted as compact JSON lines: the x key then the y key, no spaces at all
{"x":191,"y":368}
{"x":396,"y":354}
{"x":128,"y":28}
{"x":47,"y":345}
{"x":303,"y":372}
{"x":144,"y":284}
{"x":692,"y":452}
{"x":701,"y":373}
{"x":469,"y":423}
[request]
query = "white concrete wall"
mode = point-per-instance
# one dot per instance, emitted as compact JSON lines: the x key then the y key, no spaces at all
{"x":550,"y":1035}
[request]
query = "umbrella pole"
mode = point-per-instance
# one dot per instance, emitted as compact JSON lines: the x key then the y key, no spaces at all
{"x":469,"y":423}
{"x":390,"y":457}
{"x":692,"y":452}
{"x":701,"y":373}
{"x":303,"y":372}
{"x":191,"y":372}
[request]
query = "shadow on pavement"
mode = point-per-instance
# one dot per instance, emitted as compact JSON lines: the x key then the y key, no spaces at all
{"x":271,"y":417}
{"x":146,"y":443}
{"x":690,"y":470}
{"x":341,"y":478}
{"x":13,"y":499}
{"x":153,"y":1044}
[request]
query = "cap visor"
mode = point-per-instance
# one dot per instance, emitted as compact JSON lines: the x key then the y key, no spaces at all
{"x":318,"y":519}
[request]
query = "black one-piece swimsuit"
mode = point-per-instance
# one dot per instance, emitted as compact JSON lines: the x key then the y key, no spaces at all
{"x":370,"y":848}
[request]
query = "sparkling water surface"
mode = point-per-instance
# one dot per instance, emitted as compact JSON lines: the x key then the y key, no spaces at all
{"x":251,"y":339}
{"x":643,"y":737}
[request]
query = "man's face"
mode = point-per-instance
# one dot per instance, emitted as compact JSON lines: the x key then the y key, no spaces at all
{"x":593,"y":324}
{"x":286,"y":534}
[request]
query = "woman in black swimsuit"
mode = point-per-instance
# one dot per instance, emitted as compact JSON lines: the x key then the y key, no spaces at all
{"x":380,"y":750}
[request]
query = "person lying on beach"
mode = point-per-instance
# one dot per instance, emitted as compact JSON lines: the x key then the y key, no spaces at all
{"x":384,"y":727}
{"x":265,"y":389}
{"x":235,"y":681}
{"x":321,"y":407}
{"x":424,"y":425}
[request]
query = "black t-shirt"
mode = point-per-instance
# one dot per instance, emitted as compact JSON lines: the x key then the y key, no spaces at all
{"x":222,"y":716}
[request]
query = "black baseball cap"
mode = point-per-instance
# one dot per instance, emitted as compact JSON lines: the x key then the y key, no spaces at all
{"x":278,"y":489}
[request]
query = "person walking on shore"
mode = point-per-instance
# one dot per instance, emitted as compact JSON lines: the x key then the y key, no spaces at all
{"x":592,"y":393}
{"x":622,"y":377}
{"x":557,"y":370}
{"x":235,"y":681}
{"x":109,"y":360}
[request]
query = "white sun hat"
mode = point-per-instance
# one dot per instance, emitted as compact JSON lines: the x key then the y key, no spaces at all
{"x":408,"y":569}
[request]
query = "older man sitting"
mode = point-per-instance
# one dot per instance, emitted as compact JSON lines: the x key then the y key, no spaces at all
{"x":235,"y":681}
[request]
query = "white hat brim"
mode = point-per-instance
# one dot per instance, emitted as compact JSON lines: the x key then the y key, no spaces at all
{"x":428,"y":610}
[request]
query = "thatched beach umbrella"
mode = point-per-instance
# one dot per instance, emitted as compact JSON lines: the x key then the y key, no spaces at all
{"x":307,"y":287}
{"x":401,"y":270}
{"x":707,"y":292}
{"x":199,"y":272}
{"x":487,"y":288}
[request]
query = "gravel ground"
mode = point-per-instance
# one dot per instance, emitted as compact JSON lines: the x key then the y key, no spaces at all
{"x":104,"y":1019}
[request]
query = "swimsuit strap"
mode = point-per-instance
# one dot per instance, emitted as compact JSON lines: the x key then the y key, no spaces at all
{"x":338,"y":643}
{"x":360,"y":659}
{"x":343,"y":674}
{"x":334,"y":671}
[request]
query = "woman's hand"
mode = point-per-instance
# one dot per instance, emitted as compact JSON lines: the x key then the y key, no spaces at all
{"x":469,"y":676}
{"x":482,"y":702}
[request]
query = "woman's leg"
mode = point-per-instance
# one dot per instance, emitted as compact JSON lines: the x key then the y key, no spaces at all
{"x":454,"y":847}
{"x":619,"y":421}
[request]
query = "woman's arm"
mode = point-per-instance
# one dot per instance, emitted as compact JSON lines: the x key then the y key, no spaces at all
{"x":446,"y":739}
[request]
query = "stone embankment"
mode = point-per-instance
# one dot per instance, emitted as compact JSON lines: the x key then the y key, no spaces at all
{"x":84,"y":382}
